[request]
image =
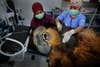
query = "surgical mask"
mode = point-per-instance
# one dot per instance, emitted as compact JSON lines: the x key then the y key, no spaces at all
{"x":74,"y":12}
{"x":40,"y":16}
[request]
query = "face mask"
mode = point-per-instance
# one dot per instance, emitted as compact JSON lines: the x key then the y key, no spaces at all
{"x":40,"y":16}
{"x":74,"y":12}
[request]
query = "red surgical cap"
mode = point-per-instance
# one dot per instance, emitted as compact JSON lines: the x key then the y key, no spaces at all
{"x":37,"y":6}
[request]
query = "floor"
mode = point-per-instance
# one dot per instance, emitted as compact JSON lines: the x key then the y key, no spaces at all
{"x":38,"y":61}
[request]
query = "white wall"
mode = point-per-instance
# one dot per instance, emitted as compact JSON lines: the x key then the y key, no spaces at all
{"x":2,"y":8}
{"x":26,"y":5}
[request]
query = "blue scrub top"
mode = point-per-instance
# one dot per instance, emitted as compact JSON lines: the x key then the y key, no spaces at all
{"x":66,"y":19}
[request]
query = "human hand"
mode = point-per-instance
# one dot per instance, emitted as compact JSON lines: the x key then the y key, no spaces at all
{"x":67,"y":35}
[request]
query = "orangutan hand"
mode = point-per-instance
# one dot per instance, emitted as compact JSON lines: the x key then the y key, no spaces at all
{"x":67,"y":35}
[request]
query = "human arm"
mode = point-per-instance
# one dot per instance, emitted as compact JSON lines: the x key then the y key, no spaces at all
{"x":33,"y":24}
{"x":60,"y":19}
{"x":52,"y":22}
{"x":69,"y":33}
{"x":79,"y":29}
{"x":58,"y":24}
{"x":81,"y":25}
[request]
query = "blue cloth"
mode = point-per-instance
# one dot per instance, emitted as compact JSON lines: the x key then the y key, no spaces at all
{"x":66,"y":19}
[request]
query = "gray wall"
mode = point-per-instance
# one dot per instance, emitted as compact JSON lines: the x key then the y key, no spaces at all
{"x":2,"y":8}
{"x":26,"y":6}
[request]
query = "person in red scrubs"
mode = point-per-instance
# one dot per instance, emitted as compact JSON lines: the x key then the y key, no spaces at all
{"x":40,"y":18}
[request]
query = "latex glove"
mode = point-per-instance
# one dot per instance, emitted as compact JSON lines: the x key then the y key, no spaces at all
{"x":67,"y":35}
{"x":59,"y":26}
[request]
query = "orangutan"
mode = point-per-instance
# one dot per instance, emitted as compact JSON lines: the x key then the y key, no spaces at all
{"x":85,"y":54}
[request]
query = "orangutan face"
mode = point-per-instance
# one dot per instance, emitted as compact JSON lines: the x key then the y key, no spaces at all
{"x":44,"y":39}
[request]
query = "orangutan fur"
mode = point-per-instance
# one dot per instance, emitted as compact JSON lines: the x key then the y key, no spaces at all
{"x":55,"y":38}
{"x":88,"y":50}
{"x":58,"y":57}
{"x":89,"y":39}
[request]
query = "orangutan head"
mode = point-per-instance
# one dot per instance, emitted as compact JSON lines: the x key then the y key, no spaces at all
{"x":44,"y":38}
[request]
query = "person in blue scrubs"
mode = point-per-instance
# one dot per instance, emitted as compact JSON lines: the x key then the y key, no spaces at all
{"x":72,"y":19}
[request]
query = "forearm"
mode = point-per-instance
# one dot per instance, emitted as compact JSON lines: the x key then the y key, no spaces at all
{"x":57,"y":21}
{"x":79,"y":29}
{"x":58,"y":24}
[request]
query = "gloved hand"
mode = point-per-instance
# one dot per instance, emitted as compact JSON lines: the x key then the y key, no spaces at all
{"x":59,"y":26}
{"x":67,"y":35}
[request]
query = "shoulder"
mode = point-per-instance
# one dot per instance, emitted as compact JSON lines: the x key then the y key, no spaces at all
{"x":33,"y":20}
{"x":82,"y":16}
{"x":65,"y":12}
{"x":47,"y":16}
